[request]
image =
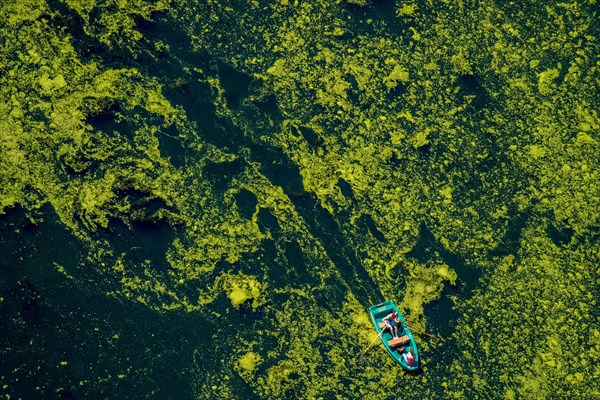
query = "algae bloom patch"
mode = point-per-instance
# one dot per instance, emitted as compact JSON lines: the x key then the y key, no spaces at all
{"x":201,"y":199}
{"x":243,"y":289}
{"x":249,"y":361}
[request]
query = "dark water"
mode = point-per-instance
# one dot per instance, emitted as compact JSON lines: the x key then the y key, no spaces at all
{"x":65,"y":337}
{"x":68,"y":332}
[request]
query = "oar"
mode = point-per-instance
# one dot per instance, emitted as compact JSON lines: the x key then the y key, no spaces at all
{"x":420,"y":331}
{"x":372,"y":343}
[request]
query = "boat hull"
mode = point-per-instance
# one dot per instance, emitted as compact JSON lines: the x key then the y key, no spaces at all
{"x":380,"y":311}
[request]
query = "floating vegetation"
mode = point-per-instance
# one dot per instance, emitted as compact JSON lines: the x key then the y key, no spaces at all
{"x":256,"y":176}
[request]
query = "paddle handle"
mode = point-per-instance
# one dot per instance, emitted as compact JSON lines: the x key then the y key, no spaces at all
{"x":420,"y":331}
{"x":372,"y":343}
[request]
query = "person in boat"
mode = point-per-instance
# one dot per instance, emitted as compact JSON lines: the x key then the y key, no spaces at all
{"x":392,"y":322}
{"x":409,"y":356}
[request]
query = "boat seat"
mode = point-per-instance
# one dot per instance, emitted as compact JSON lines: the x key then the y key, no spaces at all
{"x":398,"y":341}
{"x":382,"y":325}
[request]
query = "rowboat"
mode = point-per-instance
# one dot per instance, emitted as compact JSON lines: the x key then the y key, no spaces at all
{"x":402,"y":348}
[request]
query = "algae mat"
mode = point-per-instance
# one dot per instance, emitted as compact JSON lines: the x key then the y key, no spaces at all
{"x":200,"y":199}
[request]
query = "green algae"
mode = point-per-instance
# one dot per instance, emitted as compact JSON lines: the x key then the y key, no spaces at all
{"x":248,"y":362}
{"x":546,"y":322}
{"x":425,"y":285}
{"x":241,"y":289}
{"x":478,"y":127}
{"x":466,"y":223}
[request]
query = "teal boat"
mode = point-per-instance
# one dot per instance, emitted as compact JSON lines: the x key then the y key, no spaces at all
{"x":402,"y":348}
